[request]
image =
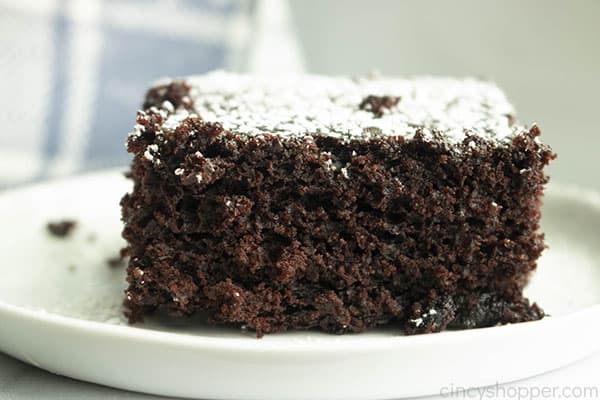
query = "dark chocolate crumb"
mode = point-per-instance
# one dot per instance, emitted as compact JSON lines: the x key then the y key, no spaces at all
{"x":175,"y":92}
{"x":377,"y":104}
{"x":115,"y":262}
{"x":62,"y":228}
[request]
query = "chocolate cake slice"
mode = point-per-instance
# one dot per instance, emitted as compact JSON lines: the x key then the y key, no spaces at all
{"x":333,"y":203}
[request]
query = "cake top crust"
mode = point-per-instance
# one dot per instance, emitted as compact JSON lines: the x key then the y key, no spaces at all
{"x":345,"y":108}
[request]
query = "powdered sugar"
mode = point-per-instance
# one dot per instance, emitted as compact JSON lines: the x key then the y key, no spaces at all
{"x":151,"y":152}
{"x":167,"y":105}
{"x":138,"y":129}
{"x":175,"y":119}
{"x":417,"y":322}
{"x":344,"y":172}
{"x":329,"y":106}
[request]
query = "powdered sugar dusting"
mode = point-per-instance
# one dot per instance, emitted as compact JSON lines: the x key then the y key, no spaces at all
{"x":167,"y":105}
{"x":319,"y":105}
{"x":175,"y":119}
{"x":137,"y":130}
{"x":151,"y":152}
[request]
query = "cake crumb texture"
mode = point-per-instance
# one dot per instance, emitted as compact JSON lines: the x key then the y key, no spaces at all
{"x":336,"y":232}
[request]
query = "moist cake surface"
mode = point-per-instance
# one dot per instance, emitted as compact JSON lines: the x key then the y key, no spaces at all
{"x":333,"y":203}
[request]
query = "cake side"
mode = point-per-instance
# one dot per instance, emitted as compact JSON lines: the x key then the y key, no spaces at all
{"x":341,"y":233}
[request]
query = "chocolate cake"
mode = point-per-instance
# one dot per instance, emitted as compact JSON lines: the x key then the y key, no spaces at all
{"x":335,"y":204}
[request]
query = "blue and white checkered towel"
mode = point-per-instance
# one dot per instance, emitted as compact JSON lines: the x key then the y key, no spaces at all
{"x":73,"y":72}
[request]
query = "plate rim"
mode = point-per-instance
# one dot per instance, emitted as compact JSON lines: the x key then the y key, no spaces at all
{"x":323,"y":344}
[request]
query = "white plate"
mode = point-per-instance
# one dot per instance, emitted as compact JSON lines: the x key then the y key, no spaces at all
{"x":60,"y":310}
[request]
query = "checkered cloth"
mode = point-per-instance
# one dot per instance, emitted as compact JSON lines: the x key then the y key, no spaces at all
{"x":74,"y":72}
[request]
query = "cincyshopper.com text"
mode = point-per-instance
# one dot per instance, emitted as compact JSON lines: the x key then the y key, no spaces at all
{"x":520,"y":392}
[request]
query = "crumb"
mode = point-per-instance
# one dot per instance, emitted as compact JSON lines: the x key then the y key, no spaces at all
{"x":377,"y":104}
{"x":91,"y":238}
{"x":71,"y":268}
{"x":62,"y":228}
{"x":114,"y":262}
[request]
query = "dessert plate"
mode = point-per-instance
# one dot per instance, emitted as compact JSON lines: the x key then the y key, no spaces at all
{"x":60,"y":310}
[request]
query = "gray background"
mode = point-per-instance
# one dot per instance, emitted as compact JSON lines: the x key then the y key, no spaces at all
{"x":545,"y":54}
